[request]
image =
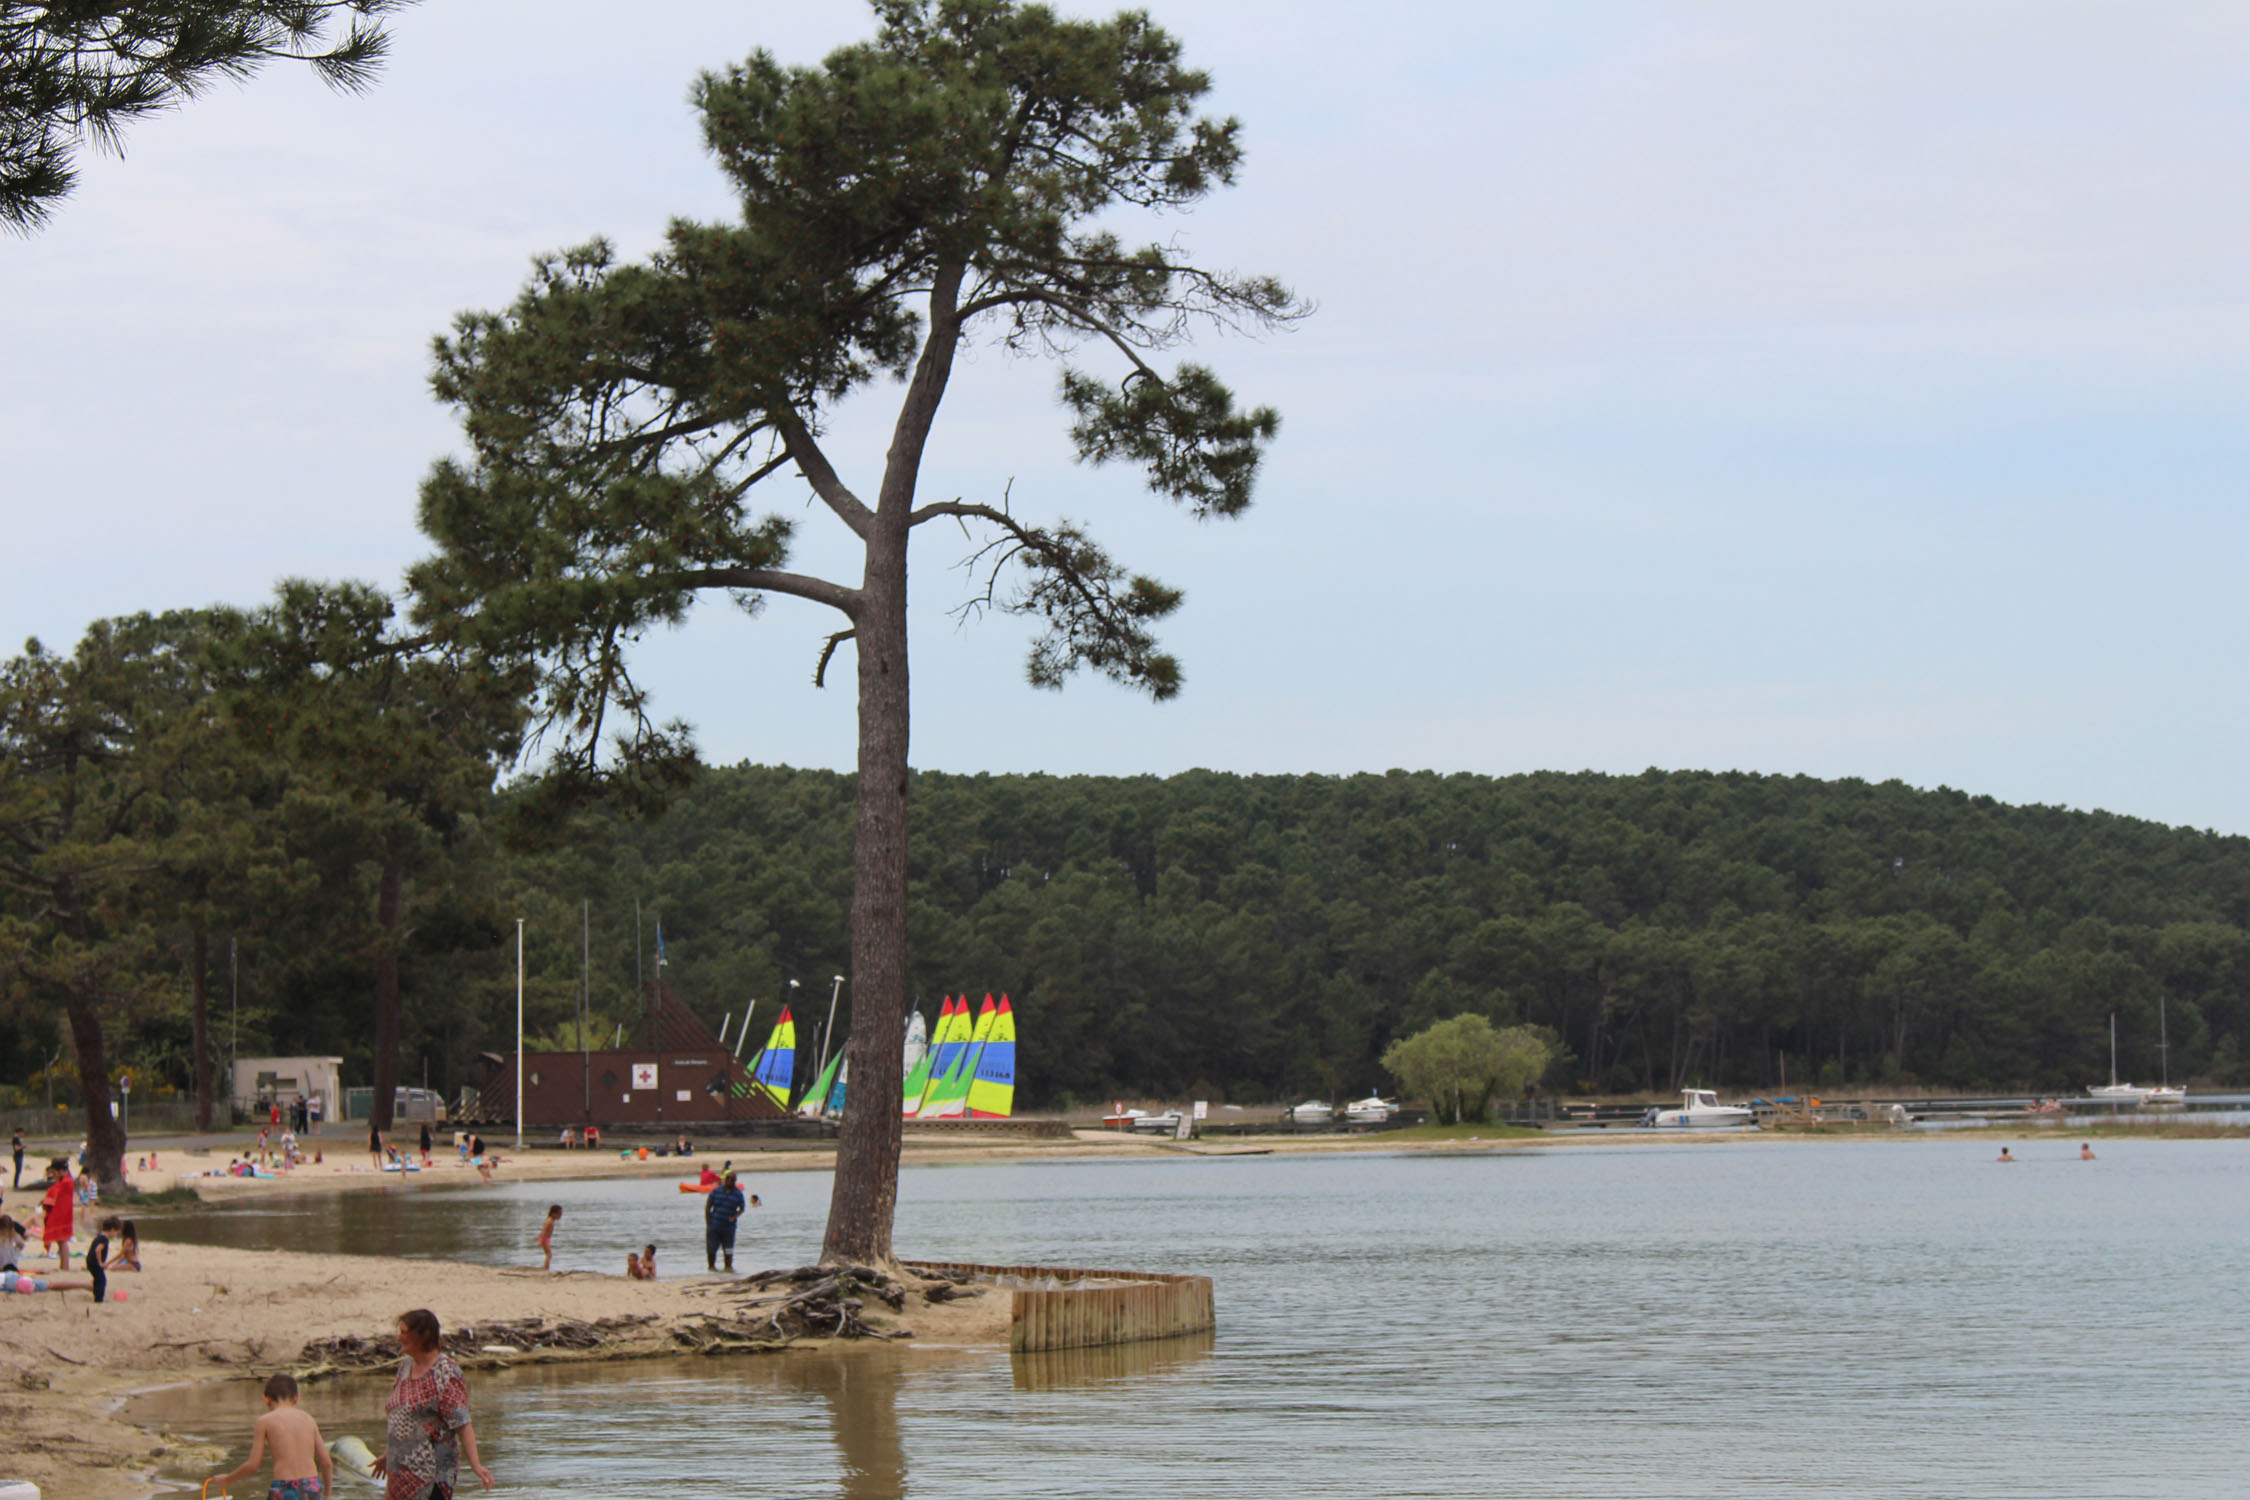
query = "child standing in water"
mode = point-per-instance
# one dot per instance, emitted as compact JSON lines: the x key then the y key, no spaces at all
{"x":302,"y":1469}
{"x":547,"y":1237}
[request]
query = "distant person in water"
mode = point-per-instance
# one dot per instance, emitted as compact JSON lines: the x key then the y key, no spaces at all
{"x":2086,"y":1151}
{"x":720,"y":1211}
{"x":547,"y":1237}
{"x":2004,"y":1156}
{"x":302,"y":1469}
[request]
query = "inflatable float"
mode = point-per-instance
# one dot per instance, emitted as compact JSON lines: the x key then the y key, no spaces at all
{"x":350,"y":1453}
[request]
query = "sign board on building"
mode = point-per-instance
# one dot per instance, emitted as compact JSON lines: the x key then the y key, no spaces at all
{"x":644,"y":1075}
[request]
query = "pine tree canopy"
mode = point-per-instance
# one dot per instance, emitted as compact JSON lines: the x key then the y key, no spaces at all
{"x":71,"y":70}
{"x":937,"y":183}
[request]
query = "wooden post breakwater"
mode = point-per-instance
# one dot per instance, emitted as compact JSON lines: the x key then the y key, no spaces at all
{"x":1105,"y":1307}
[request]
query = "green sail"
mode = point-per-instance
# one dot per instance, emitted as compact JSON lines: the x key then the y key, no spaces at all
{"x":815,"y":1099}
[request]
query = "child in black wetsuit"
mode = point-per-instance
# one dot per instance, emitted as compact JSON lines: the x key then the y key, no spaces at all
{"x":97,"y":1256}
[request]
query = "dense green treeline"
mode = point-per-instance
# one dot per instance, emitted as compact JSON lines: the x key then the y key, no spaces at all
{"x":1261,"y":937}
{"x":1255,"y":938}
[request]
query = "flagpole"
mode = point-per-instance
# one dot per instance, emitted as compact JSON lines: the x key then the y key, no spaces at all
{"x":519,"y":1033}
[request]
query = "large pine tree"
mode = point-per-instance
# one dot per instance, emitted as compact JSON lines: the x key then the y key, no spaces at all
{"x":947,"y":181}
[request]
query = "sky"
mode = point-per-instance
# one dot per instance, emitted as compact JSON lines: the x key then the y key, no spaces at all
{"x":1846,"y":390}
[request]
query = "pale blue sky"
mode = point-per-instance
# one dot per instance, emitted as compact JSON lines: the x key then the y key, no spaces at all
{"x":1841,"y":389}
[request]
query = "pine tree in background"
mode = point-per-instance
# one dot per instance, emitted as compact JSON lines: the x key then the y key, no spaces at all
{"x":943,"y":183}
{"x":94,"y":749}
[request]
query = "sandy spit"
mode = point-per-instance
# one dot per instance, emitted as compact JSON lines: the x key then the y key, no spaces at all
{"x":204,"y":1313}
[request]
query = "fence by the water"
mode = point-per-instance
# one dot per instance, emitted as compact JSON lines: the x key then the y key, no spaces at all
{"x":1072,"y":1307}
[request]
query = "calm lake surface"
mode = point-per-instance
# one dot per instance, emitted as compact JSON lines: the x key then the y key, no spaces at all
{"x":1743,"y":1318}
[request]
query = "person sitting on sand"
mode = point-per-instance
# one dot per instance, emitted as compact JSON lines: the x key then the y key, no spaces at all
{"x":302,"y":1469}
{"x":633,"y":1270}
{"x":648,"y":1262}
{"x":13,"y":1238}
{"x":128,"y":1256}
{"x":685,"y":1149}
{"x":593,"y":1137}
{"x":2004,"y":1156}
{"x":2086,"y":1151}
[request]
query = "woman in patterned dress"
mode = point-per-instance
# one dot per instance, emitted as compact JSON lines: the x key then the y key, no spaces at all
{"x":426,"y":1418}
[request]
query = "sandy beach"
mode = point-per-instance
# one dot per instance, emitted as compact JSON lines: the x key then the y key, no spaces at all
{"x":66,"y":1365}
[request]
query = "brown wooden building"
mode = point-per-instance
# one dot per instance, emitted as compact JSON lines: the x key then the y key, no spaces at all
{"x":678,"y":1073}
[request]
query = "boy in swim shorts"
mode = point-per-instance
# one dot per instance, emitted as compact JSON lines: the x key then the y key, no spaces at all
{"x":302,"y":1469}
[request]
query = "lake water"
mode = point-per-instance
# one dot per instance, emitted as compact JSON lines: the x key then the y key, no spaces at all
{"x":1752,"y":1318}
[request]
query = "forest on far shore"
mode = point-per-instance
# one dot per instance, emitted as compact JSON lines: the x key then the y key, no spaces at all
{"x":1255,"y":938}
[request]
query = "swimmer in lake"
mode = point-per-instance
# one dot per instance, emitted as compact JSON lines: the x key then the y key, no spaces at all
{"x":2086,"y":1151}
{"x":2004,"y":1156}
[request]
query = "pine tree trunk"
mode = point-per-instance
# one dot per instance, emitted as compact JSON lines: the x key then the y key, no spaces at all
{"x":867,"y":1148}
{"x":865,"y":1195}
{"x":105,"y":1141}
{"x":199,"y":990}
{"x":386,"y":993}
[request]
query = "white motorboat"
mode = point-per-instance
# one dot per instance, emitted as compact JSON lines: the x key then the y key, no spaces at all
{"x":1141,"y":1119}
{"x":1699,"y":1109}
{"x":1312,"y":1112}
{"x":1372,"y":1110}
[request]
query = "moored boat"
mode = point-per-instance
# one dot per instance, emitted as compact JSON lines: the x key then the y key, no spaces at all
{"x":1699,"y":1109}
{"x":1312,"y":1112}
{"x":1372,"y":1110}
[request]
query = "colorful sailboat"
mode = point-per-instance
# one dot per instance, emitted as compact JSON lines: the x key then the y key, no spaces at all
{"x":992,"y":1087}
{"x":775,"y":1067}
{"x":815,"y":1100}
{"x":945,"y":1048}
{"x":951,"y":1100}
{"x":917,"y":1041}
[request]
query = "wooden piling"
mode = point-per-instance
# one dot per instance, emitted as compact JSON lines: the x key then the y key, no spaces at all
{"x":1055,"y":1314}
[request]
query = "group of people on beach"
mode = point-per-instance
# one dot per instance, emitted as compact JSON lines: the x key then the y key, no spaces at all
{"x":116,"y":1245}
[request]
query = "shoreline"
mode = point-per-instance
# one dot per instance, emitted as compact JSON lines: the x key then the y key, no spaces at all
{"x":71,"y":1368}
{"x":182,"y":1168}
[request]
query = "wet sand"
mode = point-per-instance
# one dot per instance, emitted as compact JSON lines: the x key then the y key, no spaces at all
{"x":66,"y":1364}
